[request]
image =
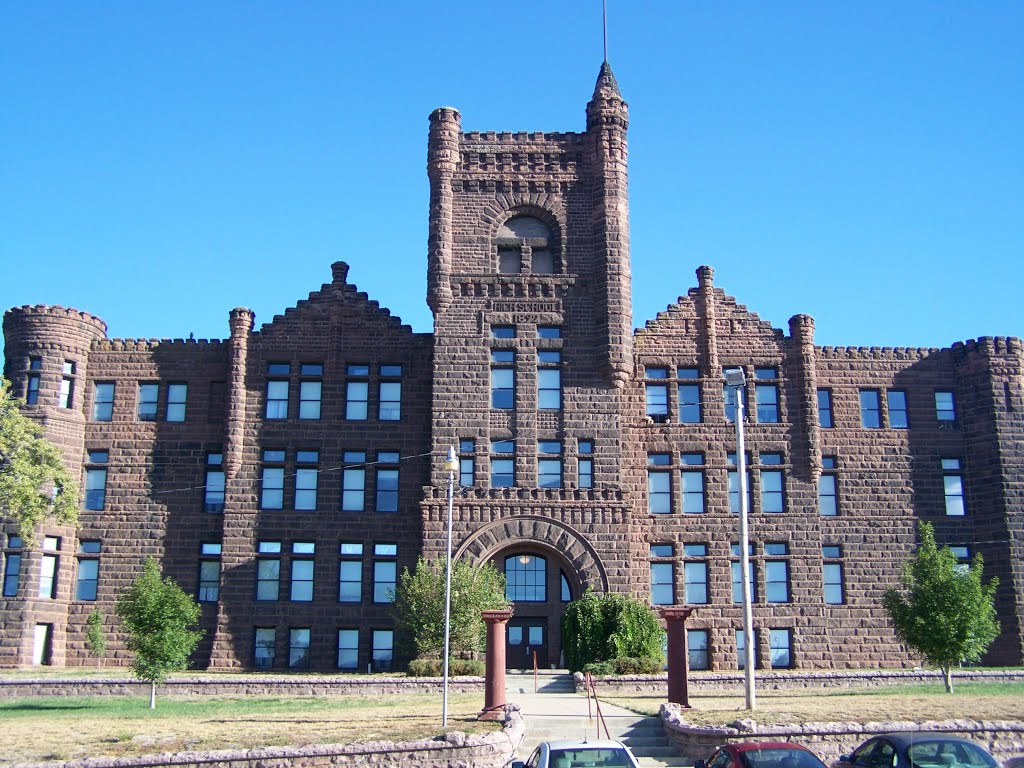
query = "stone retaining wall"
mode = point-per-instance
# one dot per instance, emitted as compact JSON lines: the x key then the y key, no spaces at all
{"x":491,"y":750}
{"x":225,"y":685}
{"x":716,"y":681}
{"x":1004,"y":739}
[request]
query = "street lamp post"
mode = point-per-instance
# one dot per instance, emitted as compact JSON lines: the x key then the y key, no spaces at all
{"x":735,"y":379}
{"x":451,"y":464}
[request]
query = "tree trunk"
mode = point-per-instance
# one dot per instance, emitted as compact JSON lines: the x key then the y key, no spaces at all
{"x":152,"y":695}
{"x":947,"y":677}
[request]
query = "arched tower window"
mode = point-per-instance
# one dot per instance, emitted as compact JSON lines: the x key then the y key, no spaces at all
{"x":526,"y":245}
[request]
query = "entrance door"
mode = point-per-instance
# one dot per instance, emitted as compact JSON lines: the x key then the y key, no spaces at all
{"x":525,"y":637}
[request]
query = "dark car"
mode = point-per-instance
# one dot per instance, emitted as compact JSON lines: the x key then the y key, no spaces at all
{"x":917,"y":750}
{"x":761,"y":754}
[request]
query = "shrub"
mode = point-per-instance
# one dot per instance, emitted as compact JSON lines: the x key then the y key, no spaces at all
{"x":610,"y":626}
{"x":632,"y":665}
{"x":456,"y":667}
{"x":599,"y":668}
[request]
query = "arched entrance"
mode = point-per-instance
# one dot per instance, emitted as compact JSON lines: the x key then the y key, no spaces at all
{"x":546,"y":564}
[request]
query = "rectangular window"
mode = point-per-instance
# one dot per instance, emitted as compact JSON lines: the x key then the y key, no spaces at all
{"x":825,"y":408}
{"x":766,"y":396}
{"x":353,"y":481}
{"x":656,"y":395}
{"x":695,"y":573}
{"x":87,"y":580}
{"x":385,"y":573}
{"x":48,"y":577}
{"x":467,"y":463}
{"x":779,"y":641}
{"x":503,"y":379}
{"x":503,"y":331}
{"x":12,"y":571}
{"x":832,"y":575}
{"x":697,"y":649}
{"x":896,"y":401}
{"x":309,"y":399}
{"x":387,"y":481}
{"x":659,"y":484}
{"x":357,"y":392}
{"x":348,"y":648}
{"x":870,"y":410}
{"x":776,"y":581}
{"x":953,"y":487}
{"x":502,"y":463}
{"x":209,"y":572}
{"x":382,"y":653}
{"x":302,"y":579}
{"x":350,"y":572}
{"x":390,"y":403}
{"x":306,"y":479}
{"x":689,"y":402}
{"x":945,"y":409}
{"x":737,"y":583}
{"x":828,"y":495}
{"x":264,"y":643}
{"x":268,"y":570}
{"x":662,"y":584}
{"x":298,"y":648}
{"x":549,"y":332}
{"x":585,"y":449}
{"x":272,"y":495}
{"x":691,"y":484}
{"x":741,"y":649}
{"x":67,"y":385}
{"x":96,"y":481}
{"x":277,"y":399}
{"x":549,"y":464}
{"x":772,"y":491}
{"x":32,"y":389}
{"x":549,"y":380}
{"x":177,"y":395}
{"x":149,"y":395}
{"x":102,"y":400}
{"x":734,"y":487}
{"x":213,"y":493}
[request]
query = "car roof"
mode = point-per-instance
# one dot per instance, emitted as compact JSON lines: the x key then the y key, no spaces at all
{"x":585,"y":744}
{"x":906,"y":738}
{"x":752,"y":745}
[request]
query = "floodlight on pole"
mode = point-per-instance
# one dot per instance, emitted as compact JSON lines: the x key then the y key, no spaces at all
{"x":735,"y":379}
{"x":451,"y":464}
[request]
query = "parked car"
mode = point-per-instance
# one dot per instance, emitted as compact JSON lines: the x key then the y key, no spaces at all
{"x":917,"y":750}
{"x":599,"y":753}
{"x":761,"y":754}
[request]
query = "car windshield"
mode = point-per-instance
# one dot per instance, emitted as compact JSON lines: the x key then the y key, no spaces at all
{"x":779,"y":757}
{"x":943,"y":753}
{"x":589,"y":757}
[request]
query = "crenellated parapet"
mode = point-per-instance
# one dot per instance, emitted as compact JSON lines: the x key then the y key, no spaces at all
{"x":879,"y":353}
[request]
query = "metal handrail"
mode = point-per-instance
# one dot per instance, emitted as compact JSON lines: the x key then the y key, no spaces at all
{"x":592,"y":692}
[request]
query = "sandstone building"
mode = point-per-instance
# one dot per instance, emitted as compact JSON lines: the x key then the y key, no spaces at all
{"x":287,"y":473}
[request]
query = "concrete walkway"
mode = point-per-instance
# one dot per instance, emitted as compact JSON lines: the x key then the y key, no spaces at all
{"x":556,"y":711}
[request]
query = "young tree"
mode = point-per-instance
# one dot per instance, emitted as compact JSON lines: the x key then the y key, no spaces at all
{"x":95,"y":640}
{"x":419,"y":605}
{"x":158,"y":616}
{"x":607,"y":627}
{"x":30,"y":472}
{"x":948,"y":615}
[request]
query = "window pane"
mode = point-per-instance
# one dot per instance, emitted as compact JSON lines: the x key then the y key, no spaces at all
{"x":779,"y":640}
{"x":662,"y":588}
{"x":870,"y":417}
{"x":825,"y":408}
{"x":526,"y":578}
{"x":689,"y":403}
{"x":697,"y":649}
{"x":659,"y":492}
{"x":356,"y":393}
{"x":696,"y":575}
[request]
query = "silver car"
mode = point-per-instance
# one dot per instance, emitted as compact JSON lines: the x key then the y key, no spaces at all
{"x":600,"y":753}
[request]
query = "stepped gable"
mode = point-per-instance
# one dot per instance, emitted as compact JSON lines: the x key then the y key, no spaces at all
{"x":339,"y":293}
{"x":670,"y":320}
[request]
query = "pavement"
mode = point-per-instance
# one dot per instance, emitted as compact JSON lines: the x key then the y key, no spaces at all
{"x":556,"y":711}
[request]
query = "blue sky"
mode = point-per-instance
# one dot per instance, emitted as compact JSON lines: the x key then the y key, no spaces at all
{"x":161,"y":163}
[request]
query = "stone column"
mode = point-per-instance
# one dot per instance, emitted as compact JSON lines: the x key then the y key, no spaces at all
{"x":494,"y":680}
{"x":675,"y":625}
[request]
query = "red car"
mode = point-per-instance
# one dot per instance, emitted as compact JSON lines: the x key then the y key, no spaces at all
{"x":761,"y":754}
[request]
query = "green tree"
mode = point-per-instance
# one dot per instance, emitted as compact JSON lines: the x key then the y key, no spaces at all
{"x":95,"y":640}
{"x":419,"y":605}
{"x":947,"y":614}
{"x":158,"y":616}
{"x":34,"y":482}
{"x":610,"y":626}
